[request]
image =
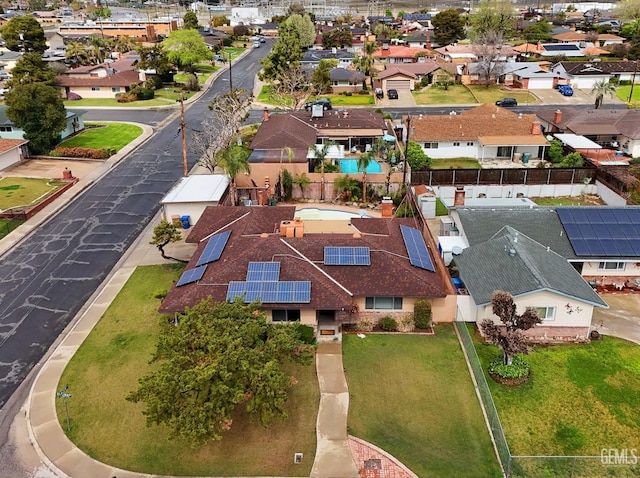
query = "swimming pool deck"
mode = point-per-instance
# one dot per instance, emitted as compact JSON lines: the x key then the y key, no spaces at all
{"x":332,"y":226}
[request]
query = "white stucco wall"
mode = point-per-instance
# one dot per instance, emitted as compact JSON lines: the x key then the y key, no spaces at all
{"x":194,"y":210}
{"x":448,"y":150}
{"x":10,"y":158}
{"x":104,"y":92}
{"x":512,"y":191}
{"x":592,"y":268}
{"x":610,"y":197}
{"x":569,"y":312}
{"x":466,"y":309}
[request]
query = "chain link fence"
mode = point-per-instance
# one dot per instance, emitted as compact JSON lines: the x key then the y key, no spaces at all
{"x":618,"y":463}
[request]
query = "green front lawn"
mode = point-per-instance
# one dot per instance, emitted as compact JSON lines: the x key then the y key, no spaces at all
{"x":162,"y":98}
{"x":435,"y":95}
{"x":622,"y":92}
{"x":495,"y":93}
{"x":454,"y":163}
{"x":110,"y":429}
{"x":412,"y":396}
{"x":8,"y":225}
{"x":580,"y":399}
{"x":110,"y":135}
{"x":24,"y":192}
{"x":336,"y":100}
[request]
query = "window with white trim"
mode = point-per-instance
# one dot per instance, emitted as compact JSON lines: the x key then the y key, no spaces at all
{"x":286,"y":315}
{"x":546,"y":313}
{"x":115,"y":89}
{"x":6,"y":129}
{"x":430,"y":145}
{"x":611,"y":266}
{"x":383,"y":303}
{"x":469,"y":143}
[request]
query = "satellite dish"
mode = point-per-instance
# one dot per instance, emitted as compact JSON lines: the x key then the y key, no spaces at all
{"x":456,"y":250}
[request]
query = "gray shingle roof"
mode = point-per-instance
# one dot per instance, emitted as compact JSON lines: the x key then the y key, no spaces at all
{"x":515,"y":263}
{"x":540,"y":224}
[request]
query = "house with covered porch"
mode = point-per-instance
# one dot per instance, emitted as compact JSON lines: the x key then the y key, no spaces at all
{"x":486,"y":132}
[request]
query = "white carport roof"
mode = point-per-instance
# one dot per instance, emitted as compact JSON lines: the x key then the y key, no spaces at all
{"x":197,"y":188}
{"x":577,"y":142}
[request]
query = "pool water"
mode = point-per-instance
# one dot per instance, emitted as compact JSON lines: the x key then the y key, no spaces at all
{"x":348,"y":166}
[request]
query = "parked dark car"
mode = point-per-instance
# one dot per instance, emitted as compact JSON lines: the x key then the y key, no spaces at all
{"x":325,"y":102}
{"x":507,"y":102}
{"x":219,"y":58}
{"x":392,"y":94}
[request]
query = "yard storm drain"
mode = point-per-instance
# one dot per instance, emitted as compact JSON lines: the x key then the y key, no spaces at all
{"x":373,"y":464}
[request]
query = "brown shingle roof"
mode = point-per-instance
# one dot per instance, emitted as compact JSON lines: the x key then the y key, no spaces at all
{"x":9,"y":144}
{"x":302,"y":259}
{"x":484,"y":120}
{"x":282,"y":131}
{"x":578,"y":120}
{"x":125,"y":78}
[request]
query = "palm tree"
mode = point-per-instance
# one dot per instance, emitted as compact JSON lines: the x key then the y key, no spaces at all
{"x":363,"y":163}
{"x":321,"y":154}
{"x":303,"y":181}
{"x":601,"y":88}
{"x":289,"y":152}
{"x":78,"y":52}
{"x":125,"y":44}
{"x":235,"y":161}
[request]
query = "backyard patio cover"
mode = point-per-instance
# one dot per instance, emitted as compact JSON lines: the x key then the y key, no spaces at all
{"x":577,"y":142}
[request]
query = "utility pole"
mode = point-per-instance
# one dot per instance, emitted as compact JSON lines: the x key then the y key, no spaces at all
{"x":406,"y":152}
{"x":230,"y":75}
{"x":184,"y":137}
{"x":633,"y":79}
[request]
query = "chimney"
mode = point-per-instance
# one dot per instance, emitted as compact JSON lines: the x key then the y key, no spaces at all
{"x":459,"y":197}
{"x":557,"y":117}
{"x":536,"y":128}
{"x":387,"y":207}
{"x":265,"y":114}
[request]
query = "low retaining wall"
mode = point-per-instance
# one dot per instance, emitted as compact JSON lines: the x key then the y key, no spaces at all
{"x":32,"y":211}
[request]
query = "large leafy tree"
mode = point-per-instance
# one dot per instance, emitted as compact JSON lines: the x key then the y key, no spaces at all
{"x":38,"y":110}
{"x":24,"y":34}
{"x":338,"y":38}
{"x":291,"y":88}
{"x":510,"y":337}
{"x":305,"y":28}
{"x":492,"y":19}
{"x":539,"y":31}
{"x":634,"y":47}
{"x":416,"y":157}
{"x":628,"y":9}
{"x":31,"y":69}
{"x":448,"y":27}
{"x":488,"y":50}
{"x":321,"y":76}
{"x":285,"y":54}
{"x":190,"y":20}
{"x":600,"y":89}
{"x":185,"y":48}
{"x":217,"y":359}
{"x":154,"y":58}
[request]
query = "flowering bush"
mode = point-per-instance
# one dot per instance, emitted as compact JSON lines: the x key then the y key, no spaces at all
{"x":78,"y":152}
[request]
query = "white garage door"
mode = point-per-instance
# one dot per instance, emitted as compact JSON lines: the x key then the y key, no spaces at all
{"x":398,"y":84}
{"x":540,"y":83}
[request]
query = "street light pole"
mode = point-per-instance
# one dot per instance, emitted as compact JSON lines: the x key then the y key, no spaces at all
{"x":184,"y":137}
{"x":633,"y":80}
{"x":230,"y":75}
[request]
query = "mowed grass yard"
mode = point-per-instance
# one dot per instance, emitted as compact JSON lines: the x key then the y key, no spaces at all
{"x":108,"y":428}
{"x":109,"y":135}
{"x":412,"y":396}
{"x":19,"y":192}
{"x":580,"y":399}
{"x":455,"y":163}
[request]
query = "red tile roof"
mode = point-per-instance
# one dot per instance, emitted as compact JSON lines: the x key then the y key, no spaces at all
{"x":9,"y":144}
{"x":301,"y":259}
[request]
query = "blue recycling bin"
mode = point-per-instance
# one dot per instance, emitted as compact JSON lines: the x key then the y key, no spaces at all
{"x":186,"y":222}
{"x":526,"y":157}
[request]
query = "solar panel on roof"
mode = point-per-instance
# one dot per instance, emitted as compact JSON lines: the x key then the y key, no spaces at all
{"x":190,"y":276}
{"x":263,"y":271}
{"x":280,"y":292}
{"x":346,"y":256}
{"x":213,"y":249}
{"x":602,"y":232}
{"x":416,"y":248}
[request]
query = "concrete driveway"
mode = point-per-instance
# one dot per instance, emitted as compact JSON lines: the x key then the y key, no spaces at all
{"x":405,"y":99}
{"x":621,"y":319}
{"x":580,"y":97}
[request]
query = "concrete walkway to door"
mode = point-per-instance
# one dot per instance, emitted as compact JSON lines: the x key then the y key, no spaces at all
{"x":333,"y":455}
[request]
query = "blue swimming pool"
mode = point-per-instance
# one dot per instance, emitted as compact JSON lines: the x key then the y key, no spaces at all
{"x":348,"y":166}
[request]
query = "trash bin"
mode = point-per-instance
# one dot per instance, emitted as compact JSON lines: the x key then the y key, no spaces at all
{"x":186,"y":222}
{"x":525,"y":157}
{"x":272,"y":202}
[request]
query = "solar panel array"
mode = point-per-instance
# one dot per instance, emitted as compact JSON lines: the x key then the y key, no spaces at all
{"x":263,"y":271}
{"x":278,"y":292}
{"x":213,"y":249}
{"x":416,"y":248}
{"x":190,"y":276}
{"x":347,"y":256}
{"x":602,"y":232}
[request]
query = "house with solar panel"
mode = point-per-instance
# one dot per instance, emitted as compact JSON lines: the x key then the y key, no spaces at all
{"x":321,"y":273}
{"x":535,"y":276}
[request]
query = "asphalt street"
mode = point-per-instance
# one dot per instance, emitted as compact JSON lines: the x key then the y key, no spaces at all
{"x":48,"y":277}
